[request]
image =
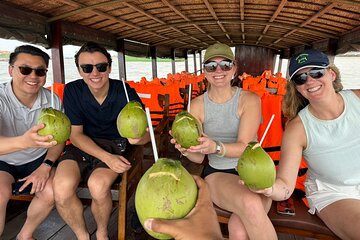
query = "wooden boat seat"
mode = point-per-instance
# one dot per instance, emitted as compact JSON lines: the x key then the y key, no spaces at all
{"x":122,"y":189}
{"x":302,"y":223}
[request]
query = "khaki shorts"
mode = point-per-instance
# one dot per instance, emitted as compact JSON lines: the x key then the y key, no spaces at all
{"x":320,"y":194}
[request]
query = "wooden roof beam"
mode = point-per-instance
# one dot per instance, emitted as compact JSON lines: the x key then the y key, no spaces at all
{"x":346,"y":2}
{"x":167,"y":3}
{"x":273,"y":17}
{"x":175,"y":10}
{"x":254,"y":22}
{"x":212,"y":12}
{"x":242,"y":9}
{"x":319,"y":14}
{"x":108,"y":16}
{"x":151,"y":16}
{"x":92,"y":8}
{"x":201,"y":30}
{"x":81,"y":8}
{"x":308,"y":21}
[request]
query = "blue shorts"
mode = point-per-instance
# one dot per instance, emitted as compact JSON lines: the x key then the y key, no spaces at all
{"x":21,"y":171}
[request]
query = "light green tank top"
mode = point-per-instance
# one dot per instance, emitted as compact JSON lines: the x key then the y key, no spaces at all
{"x":333,"y":146}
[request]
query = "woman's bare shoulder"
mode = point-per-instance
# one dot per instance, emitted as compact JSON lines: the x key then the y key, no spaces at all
{"x":249,"y":95}
{"x":357,"y":92}
{"x":198,"y":100}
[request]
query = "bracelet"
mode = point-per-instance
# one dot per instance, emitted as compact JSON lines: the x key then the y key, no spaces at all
{"x":184,"y":153}
{"x":223,"y":150}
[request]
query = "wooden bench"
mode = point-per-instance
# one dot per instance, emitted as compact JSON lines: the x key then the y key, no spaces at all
{"x":124,"y":189}
{"x":301,"y":224}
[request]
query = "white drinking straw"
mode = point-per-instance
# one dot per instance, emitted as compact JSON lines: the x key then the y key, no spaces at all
{"x":189,"y":100}
{"x":153,"y":143}
{"x":267,"y":129}
{"x":127,"y":96}
{"x":52,"y":94}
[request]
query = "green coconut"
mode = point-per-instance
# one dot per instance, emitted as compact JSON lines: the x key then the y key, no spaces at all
{"x":165,"y":191}
{"x":56,"y":123}
{"x":186,"y":129}
{"x":131,"y":121}
{"x":256,"y":168}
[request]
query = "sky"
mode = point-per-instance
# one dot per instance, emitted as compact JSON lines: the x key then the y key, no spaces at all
{"x":10,"y":45}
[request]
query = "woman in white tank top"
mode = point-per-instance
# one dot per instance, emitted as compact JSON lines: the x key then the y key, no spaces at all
{"x":324,"y":127}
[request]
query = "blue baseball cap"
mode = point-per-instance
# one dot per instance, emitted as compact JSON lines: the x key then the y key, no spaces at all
{"x":309,"y":58}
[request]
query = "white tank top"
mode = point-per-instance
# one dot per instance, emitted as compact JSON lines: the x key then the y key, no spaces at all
{"x":333,"y":146}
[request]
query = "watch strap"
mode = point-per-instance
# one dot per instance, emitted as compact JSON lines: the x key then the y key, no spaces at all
{"x":48,"y":162}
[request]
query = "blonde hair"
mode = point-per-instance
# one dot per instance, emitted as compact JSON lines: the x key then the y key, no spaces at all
{"x":294,"y":101}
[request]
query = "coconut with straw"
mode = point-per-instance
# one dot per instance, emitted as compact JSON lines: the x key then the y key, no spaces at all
{"x":255,"y":167}
{"x":166,"y":190}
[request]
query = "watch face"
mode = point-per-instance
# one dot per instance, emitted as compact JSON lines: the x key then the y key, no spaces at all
{"x":218,"y":148}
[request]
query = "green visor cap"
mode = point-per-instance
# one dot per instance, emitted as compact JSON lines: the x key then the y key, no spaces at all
{"x":218,"y":50}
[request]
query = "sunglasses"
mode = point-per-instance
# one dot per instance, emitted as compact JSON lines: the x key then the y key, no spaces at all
{"x":315,"y":73}
{"x":88,"y":68}
{"x":224,"y":65}
{"x":24,"y":70}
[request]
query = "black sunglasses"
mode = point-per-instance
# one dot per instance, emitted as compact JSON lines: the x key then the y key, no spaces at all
{"x":88,"y":68}
{"x":224,"y":65}
{"x":24,"y":70}
{"x":315,"y":73}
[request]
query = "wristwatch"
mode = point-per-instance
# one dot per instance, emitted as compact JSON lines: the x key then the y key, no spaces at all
{"x":48,"y":162}
{"x":218,"y":147}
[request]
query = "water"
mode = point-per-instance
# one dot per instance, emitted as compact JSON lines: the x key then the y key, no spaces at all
{"x":134,"y":70}
{"x":348,"y":66}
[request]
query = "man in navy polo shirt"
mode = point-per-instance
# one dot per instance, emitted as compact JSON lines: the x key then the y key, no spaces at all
{"x":92,"y":105}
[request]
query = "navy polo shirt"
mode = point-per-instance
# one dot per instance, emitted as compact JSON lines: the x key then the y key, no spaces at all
{"x":98,"y":121}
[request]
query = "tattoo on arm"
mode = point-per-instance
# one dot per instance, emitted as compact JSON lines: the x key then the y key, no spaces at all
{"x":287,"y":192}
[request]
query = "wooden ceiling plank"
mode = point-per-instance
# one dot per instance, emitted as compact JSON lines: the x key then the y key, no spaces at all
{"x":211,"y":10}
{"x":242,"y":9}
{"x":308,"y":21}
{"x":251,"y":22}
{"x":319,"y":14}
{"x":151,"y":16}
{"x":82,"y":7}
{"x":278,"y":10}
{"x":347,"y":2}
{"x":175,"y":10}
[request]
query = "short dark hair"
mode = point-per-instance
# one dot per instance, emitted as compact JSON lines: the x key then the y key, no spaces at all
{"x":29,"y":49}
{"x":92,"y":47}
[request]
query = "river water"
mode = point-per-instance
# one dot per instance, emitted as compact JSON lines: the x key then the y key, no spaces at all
{"x":349,"y":67}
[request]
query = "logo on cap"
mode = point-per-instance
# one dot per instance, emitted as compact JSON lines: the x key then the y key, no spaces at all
{"x":302,"y":58}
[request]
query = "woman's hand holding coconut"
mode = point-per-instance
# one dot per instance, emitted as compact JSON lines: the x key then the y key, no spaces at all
{"x":267,"y":192}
